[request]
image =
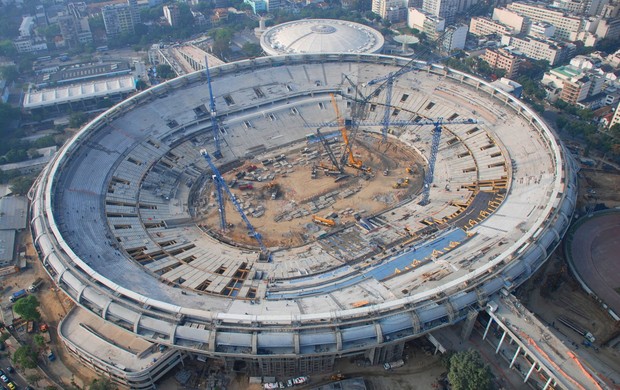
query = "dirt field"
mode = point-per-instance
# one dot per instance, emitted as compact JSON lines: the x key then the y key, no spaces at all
{"x":599,"y":187}
{"x":286,"y":218}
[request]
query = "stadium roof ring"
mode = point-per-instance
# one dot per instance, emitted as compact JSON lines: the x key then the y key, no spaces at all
{"x":110,"y":218}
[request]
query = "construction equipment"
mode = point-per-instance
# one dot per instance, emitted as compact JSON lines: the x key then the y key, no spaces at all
{"x":401,"y":183}
{"x":214,"y":125}
{"x":323,"y":221}
{"x":336,"y":165}
{"x":337,"y":377}
{"x":347,"y":155}
{"x":222,"y":187}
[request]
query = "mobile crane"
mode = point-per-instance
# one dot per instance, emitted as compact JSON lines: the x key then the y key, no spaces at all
{"x":222,"y":188}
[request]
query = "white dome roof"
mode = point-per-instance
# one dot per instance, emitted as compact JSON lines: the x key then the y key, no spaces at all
{"x":321,"y":36}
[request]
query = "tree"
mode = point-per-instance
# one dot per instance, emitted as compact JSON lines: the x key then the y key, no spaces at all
{"x":102,"y":384}
{"x":39,"y":341}
{"x":165,"y":71}
{"x":252,"y":49}
{"x":9,"y":73}
{"x":28,"y":308}
{"x":21,"y":185}
{"x":25,"y":357}
{"x":77,"y":119}
{"x":467,"y":371}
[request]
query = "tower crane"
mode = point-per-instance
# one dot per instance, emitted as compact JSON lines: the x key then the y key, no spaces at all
{"x":214,"y":125}
{"x":222,"y":187}
{"x":438,"y":123}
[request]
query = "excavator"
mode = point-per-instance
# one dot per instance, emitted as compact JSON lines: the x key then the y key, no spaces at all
{"x":323,"y":221}
{"x":351,"y":161}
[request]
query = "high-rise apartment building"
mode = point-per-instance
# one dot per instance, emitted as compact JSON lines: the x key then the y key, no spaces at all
{"x":172,"y":14}
{"x":392,"y":10}
{"x":425,"y":22}
{"x":454,"y":38}
{"x":539,"y":49}
{"x":567,"y":27}
{"x":481,"y":26}
{"x":118,"y":18}
{"x":511,"y":19}
{"x":447,"y":9}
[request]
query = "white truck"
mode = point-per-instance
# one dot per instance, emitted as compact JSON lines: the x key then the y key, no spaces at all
{"x":394,"y":364}
{"x":35,"y":285}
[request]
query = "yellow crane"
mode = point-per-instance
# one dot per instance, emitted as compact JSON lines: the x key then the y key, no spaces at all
{"x":348,"y":150}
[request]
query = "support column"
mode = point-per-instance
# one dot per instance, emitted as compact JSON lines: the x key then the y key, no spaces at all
{"x":338,"y":340}
{"x":514,"y":358}
{"x":296,"y":343}
{"x":529,"y":372}
{"x":254,"y":343}
{"x":486,"y":331}
{"x":468,"y":325}
{"x":501,"y":341}
{"x":547,"y":384}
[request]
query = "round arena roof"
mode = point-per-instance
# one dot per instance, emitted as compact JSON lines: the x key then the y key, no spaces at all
{"x":321,"y":36}
{"x":112,"y":214}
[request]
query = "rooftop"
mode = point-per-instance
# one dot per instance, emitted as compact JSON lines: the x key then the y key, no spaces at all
{"x":82,"y":72}
{"x":7,"y":245}
{"x":321,"y":36}
{"x":108,"y":342}
{"x":75,"y":92}
{"x":13,"y":212}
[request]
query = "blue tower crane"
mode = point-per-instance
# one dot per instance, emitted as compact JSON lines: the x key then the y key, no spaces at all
{"x":214,"y":125}
{"x":438,"y":124}
{"x":223,"y":187}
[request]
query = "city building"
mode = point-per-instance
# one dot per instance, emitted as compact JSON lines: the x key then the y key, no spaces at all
{"x":581,"y":7}
{"x":538,"y":49}
{"x":321,"y":36}
{"x":454,"y":38}
{"x":29,"y":45}
{"x":13,"y":219}
{"x":481,"y":26}
{"x":606,"y":27}
{"x":542,"y":30}
{"x":447,"y":9}
{"x":432,"y":26}
{"x":172,"y":14}
{"x":172,"y":284}
{"x":511,"y":19}
{"x":119,"y":19}
{"x":82,"y":96}
{"x":392,"y":10}
{"x":615,"y":119}
{"x":505,"y":59}
{"x":567,"y":28}
{"x":26,"y":28}
{"x":260,"y":5}
{"x":74,"y":26}
{"x":574,"y":85}
{"x":510,"y":86}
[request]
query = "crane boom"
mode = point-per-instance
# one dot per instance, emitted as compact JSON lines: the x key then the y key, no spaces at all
{"x":223,"y":186}
{"x":214,"y":125}
{"x":329,"y":151}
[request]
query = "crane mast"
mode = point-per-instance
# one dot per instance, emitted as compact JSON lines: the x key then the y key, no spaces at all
{"x":223,"y":187}
{"x":214,"y":125}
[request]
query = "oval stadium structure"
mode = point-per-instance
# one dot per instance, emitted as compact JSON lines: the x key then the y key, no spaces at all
{"x":111,"y":215}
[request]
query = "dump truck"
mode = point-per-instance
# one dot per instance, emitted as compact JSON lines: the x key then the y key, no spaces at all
{"x":35,"y":285}
{"x":323,"y":221}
